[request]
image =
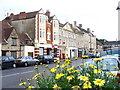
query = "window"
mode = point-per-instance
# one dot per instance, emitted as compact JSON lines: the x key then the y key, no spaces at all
{"x":14,"y":42}
{"x":14,"y":54}
{"x":54,"y":35}
{"x":42,"y":20}
{"x":40,"y":33}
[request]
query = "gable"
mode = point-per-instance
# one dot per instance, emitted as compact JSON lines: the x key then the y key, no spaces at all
{"x":67,"y":27}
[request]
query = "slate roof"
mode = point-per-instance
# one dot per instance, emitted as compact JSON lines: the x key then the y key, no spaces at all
{"x":112,"y":43}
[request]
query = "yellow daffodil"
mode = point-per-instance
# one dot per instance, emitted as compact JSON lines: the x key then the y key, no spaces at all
{"x":99,"y":82}
{"x":68,"y":69}
{"x":63,"y":66}
{"x":46,"y":65}
{"x":84,"y":56}
{"x":84,"y":78}
{"x":31,"y":87}
{"x":88,"y":75}
{"x":83,"y":64}
{"x":53,"y":70}
{"x":36,"y":76}
{"x":98,"y":59}
{"x":97,"y":71}
{"x":67,"y":61}
{"x":57,"y":66}
{"x":70,"y":78}
{"x":59,"y":75}
{"x":28,"y":79}
{"x":75,"y":87}
{"x":87,"y":85}
{"x":55,"y":61}
{"x":24,"y":83}
{"x":56,"y":86}
{"x":115,"y":67}
{"x":58,"y":62}
{"x":92,"y":66}
{"x":112,"y":74}
{"x":40,"y":63}
{"x":36,"y":67}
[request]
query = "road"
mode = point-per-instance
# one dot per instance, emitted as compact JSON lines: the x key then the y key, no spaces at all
{"x":11,"y":77}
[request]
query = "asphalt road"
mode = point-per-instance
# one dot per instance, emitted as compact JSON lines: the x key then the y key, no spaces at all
{"x":11,"y":77}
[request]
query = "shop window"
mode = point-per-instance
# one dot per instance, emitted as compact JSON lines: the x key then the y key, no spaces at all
{"x":14,"y":41}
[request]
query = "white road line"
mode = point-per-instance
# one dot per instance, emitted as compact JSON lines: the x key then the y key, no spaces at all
{"x":17,"y":73}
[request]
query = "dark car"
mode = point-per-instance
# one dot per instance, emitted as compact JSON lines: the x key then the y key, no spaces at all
{"x":45,"y":58}
{"x":7,"y":62}
{"x":91,"y":55}
{"x":26,"y":60}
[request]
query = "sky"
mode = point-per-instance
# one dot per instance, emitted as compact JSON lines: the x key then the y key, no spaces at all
{"x":100,"y":16}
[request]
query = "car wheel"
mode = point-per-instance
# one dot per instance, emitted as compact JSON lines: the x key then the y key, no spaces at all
{"x":37,"y":63}
{"x":48,"y":62}
{"x":26,"y":64}
{"x":14,"y":65}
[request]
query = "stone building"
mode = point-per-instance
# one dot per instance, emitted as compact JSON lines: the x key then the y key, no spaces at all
{"x":42,"y":29}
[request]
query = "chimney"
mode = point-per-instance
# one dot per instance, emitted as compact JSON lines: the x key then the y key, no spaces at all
{"x":12,"y":16}
{"x":22,"y":15}
{"x":80,"y":25}
{"x":47,"y":13}
{"x":88,"y":29}
{"x":75,"y":23}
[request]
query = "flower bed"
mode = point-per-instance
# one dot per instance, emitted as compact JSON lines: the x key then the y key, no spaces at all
{"x":67,"y":76}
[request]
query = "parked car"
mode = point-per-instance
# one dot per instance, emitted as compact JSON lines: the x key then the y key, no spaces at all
{"x":26,"y":60}
{"x":91,"y":55}
{"x":45,"y":58}
{"x":7,"y":62}
{"x":108,"y":63}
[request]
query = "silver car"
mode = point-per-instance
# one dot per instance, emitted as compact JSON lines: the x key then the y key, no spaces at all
{"x":26,"y":60}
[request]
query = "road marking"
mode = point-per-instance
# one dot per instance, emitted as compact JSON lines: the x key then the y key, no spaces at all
{"x":17,"y":74}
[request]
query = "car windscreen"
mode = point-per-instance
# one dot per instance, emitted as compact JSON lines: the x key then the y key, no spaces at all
{"x":108,"y":63}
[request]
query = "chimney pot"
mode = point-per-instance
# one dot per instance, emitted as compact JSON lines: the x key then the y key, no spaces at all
{"x":75,"y":23}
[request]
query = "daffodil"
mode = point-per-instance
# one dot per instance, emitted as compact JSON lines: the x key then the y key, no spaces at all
{"x":57,"y":66}
{"x":92,"y":66}
{"x":99,"y":82}
{"x":68,"y":69}
{"x":36,"y":76}
{"x":83,"y":64}
{"x":31,"y":87}
{"x":62,"y":66}
{"x":115,"y":67}
{"x":67,"y":61}
{"x":53,"y":70}
{"x":55,"y":61}
{"x":59,"y":75}
{"x":58,"y":62}
{"x":70,"y":78}
{"x":112,"y":74}
{"x":46,"y":65}
{"x":98,"y":59}
{"x":56,"y":86}
{"x":84,"y":78}
{"x":75,"y":87}
{"x":87,"y":85}
{"x":84,"y":56}
{"x":24,"y":83}
{"x":97,"y":71}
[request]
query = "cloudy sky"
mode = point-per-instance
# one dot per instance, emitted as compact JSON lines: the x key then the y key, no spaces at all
{"x":100,"y":16}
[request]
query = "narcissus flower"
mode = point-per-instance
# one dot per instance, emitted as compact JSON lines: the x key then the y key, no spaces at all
{"x":36,"y":76}
{"x":84,"y":78}
{"x":56,"y":86}
{"x":57,"y":66}
{"x":68,"y":69}
{"x":70,"y":77}
{"x":63,"y":66}
{"x":59,"y":75}
{"x":97,"y":71}
{"x":112,"y":74}
{"x":92,"y":66}
{"x":31,"y":87}
{"x":53,"y":70}
{"x":24,"y":83}
{"x":67,"y":61}
{"x":115,"y":67}
{"x":83,"y":64}
{"x":99,"y":82}
{"x":58,"y":62}
{"x":98,"y":59}
{"x":75,"y":87}
{"x":87,"y":85}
